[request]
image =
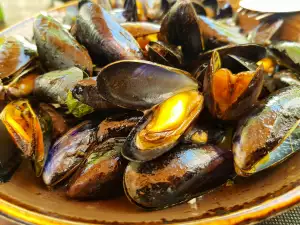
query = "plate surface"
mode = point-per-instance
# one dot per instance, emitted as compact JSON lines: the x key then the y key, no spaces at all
{"x":249,"y":200}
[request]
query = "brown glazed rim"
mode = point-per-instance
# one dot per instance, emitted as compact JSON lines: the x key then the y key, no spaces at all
{"x":21,"y":213}
{"x":25,"y":214}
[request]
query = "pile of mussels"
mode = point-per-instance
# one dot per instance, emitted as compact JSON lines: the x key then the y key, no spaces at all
{"x":160,"y":100}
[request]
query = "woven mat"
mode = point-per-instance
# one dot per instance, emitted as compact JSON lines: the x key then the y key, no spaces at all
{"x":291,"y":217}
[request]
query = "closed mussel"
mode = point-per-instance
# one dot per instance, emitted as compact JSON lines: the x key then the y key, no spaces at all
{"x":57,"y":48}
{"x":117,"y":126}
{"x":68,"y":153}
{"x":30,"y":128}
{"x":270,"y":134}
{"x":177,"y":177}
{"x":229,"y":96}
{"x":16,"y":53}
{"x":56,"y":87}
{"x":104,"y":38}
{"x":100,"y":176}
{"x":180,"y":27}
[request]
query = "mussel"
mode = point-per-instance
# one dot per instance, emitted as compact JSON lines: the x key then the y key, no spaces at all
{"x":86,"y":92}
{"x":251,"y":52}
{"x":161,"y":128}
{"x":16,"y":53}
{"x":176,"y":177}
{"x":180,"y":27}
{"x":101,"y":174}
{"x":140,"y":85}
{"x":117,"y":126}
{"x":60,"y":125}
{"x":10,"y":156}
{"x":22,"y":86}
{"x":270,"y":134}
{"x":143,"y":32}
{"x":57,"y":48}
{"x":154,"y":9}
{"x":285,"y":78}
{"x":68,"y":153}
{"x":141,"y":29}
{"x":104,"y":38}
{"x":216,"y":34}
{"x":165,"y":54}
{"x":30,"y":128}
{"x":230,"y":96}
{"x":265,"y":32}
{"x":56,"y":87}
{"x":287,"y":54}
{"x":205,"y":131}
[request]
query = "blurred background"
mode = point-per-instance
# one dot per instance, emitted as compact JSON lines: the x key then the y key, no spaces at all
{"x":12,"y":11}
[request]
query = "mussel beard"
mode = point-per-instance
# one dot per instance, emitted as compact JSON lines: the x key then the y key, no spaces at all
{"x":161,"y":128}
{"x":228,"y":87}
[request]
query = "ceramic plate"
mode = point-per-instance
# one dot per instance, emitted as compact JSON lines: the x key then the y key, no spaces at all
{"x":26,"y":200}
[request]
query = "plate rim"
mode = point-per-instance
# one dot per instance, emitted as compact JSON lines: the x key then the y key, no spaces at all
{"x":20,"y":214}
{"x":268,"y":208}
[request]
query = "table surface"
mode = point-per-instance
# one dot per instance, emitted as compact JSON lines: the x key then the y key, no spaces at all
{"x":29,"y":8}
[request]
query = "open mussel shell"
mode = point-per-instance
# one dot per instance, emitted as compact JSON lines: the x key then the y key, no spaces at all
{"x":31,"y":130}
{"x":270,"y":134}
{"x":287,"y":54}
{"x":217,"y":33}
{"x":101,"y":174}
{"x":180,"y":27}
{"x":141,"y":29}
{"x":86,"y":92}
{"x":285,"y":78}
{"x":22,"y":86}
{"x":228,"y":96}
{"x":265,"y":32}
{"x":249,"y":52}
{"x":143,"y":32}
{"x":139,"y":85}
{"x":57,"y":48}
{"x":161,"y":128}
{"x":165,"y":54}
{"x":104,"y":38}
{"x":10,"y":156}
{"x":117,"y":126}
{"x":68,"y":153}
{"x":176,"y":177}
{"x":15,"y":54}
